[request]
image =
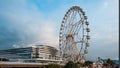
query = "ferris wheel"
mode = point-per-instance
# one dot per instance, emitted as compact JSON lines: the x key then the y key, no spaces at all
{"x":74,"y":35}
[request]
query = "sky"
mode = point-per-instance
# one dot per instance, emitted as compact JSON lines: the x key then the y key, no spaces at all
{"x":33,"y":22}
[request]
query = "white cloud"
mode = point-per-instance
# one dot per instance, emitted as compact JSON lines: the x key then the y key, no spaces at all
{"x":39,"y":29}
{"x":31,"y":25}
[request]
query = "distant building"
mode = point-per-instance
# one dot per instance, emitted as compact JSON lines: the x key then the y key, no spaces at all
{"x":41,"y":53}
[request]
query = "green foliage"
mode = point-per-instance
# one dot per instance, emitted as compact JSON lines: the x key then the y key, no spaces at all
{"x":105,"y":64}
{"x":109,"y":62}
{"x":87,"y":63}
{"x":53,"y":66}
{"x":71,"y":64}
{"x":4,"y":59}
{"x":82,"y":64}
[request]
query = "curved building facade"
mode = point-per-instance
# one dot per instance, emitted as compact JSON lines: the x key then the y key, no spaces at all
{"x":39,"y":53}
{"x":47,"y":52}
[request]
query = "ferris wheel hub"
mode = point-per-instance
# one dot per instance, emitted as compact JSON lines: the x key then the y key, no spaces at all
{"x":70,"y":36}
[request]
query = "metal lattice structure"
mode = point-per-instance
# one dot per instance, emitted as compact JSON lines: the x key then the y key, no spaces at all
{"x":74,"y":35}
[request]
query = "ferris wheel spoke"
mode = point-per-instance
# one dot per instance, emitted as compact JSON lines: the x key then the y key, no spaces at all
{"x":76,"y":26}
{"x":73,"y":15}
{"x":77,"y":23}
{"x":77,"y":29}
{"x":79,"y":38}
{"x":73,"y":36}
{"x":72,"y":21}
{"x":71,"y":31}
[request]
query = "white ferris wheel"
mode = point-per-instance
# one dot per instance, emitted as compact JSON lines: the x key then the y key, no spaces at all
{"x":74,"y":35}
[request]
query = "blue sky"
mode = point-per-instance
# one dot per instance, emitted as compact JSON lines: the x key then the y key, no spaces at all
{"x":29,"y":22}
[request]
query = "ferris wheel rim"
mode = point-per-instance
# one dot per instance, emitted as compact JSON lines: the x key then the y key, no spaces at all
{"x":79,"y":10}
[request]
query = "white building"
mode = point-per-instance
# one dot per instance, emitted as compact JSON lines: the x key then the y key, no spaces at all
{"x":40,"y":53}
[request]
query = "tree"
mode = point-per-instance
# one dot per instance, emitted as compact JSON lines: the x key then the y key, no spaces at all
{"x":71,"y":64}
{"x":110,"y":62}
{"x":52,"y":65}
{"x":87,"y":63}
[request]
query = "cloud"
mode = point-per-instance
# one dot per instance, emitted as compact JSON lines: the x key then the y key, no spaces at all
{"x":28,"y":25}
